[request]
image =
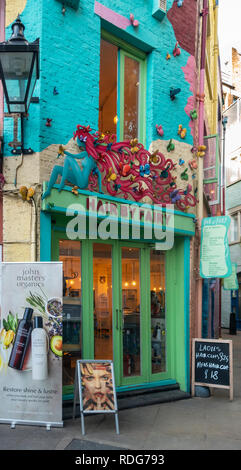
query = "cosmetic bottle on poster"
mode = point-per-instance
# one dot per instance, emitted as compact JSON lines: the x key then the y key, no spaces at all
{"x":22,"y":340}
{"x":39,"y":341}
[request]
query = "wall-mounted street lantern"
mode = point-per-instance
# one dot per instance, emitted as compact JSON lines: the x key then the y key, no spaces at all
{"x":19,"y":70}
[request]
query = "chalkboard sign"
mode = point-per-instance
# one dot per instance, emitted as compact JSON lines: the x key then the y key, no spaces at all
{"x":212,"y":364}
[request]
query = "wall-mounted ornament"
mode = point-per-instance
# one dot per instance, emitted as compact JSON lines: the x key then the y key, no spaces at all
{"x":134,"y":22}
{"x":193,"y":164}
{"x":55,"y":91}
{"x":176,"y":51}
{"x":48,"y":122}
{"x":174,"y":92}
{"x":179,"y":3}
{"x":201,"y":150}
{"x":175,"y":196}
{"x":117,"y":187}
{"x":154,"y":158}
{"x":193,"y":114}
{"x":159,"y":130}
{"x":182,"y":131}
{"x":124,"y":169}
{"x":75,"y":190}
{"x":133,"y":176}
{"x":181,"y":161}
{"x":168,"y":56}
{"x":134,"y":147}
{"x":170,"y":146}
{"x":26,"y":193}
{"x":184,"y":175}
{"x":111,"y":176}
{"x":200,"y":96}
{"x":188,"y":189}
{"x":145,"y":169}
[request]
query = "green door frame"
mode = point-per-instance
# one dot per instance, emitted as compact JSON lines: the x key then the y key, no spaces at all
{"x":87,"y":308}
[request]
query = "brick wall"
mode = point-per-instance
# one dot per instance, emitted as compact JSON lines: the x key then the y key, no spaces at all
{"x":236,"y":70}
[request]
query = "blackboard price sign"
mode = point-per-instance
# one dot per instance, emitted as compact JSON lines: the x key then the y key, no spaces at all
{"x":212,"y":364}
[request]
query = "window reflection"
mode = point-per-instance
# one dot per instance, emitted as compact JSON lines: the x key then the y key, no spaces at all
{"x":108,"y":88}
{"x":131,"y":311}
{"x":102,"y":292}
{"x":70,"y":255}
{"x":158,"y":315}
{"x":131,"y":98}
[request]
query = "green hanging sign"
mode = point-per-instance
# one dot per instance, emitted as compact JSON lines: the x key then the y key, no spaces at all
{"x":231,"y":282}
{"x":215,"y":258}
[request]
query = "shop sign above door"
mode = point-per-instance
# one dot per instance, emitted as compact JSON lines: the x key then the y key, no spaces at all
{"x":215,"y":258}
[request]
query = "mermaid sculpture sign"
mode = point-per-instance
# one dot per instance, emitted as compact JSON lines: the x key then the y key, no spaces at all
{"x":126,"y":169}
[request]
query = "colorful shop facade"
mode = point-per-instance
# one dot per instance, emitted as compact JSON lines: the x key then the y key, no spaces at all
{"x":113,"y":134}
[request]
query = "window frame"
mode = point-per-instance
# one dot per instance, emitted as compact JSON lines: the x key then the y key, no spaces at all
{"x":236,"y":211}
{"x":127,"y":50}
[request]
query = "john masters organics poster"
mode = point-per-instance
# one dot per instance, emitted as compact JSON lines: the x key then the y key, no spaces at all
{"x":31,"y":347}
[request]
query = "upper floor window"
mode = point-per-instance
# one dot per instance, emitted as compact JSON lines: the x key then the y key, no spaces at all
{"x":122,"y":90}
{"x":235,"y":227}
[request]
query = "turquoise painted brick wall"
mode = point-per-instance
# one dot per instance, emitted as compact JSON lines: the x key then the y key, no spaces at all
{"x":69,"y":61}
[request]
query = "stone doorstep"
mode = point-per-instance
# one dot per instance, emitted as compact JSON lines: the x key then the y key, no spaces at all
{"x":138,"y":398}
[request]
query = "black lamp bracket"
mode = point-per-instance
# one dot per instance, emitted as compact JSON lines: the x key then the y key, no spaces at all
{"x":18,"y":146}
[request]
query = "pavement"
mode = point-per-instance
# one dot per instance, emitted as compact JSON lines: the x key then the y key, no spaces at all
{"x":210,"y":423}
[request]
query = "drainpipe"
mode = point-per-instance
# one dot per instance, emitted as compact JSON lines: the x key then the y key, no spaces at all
{"x":2,"y":38}
{"x":204,"y":14}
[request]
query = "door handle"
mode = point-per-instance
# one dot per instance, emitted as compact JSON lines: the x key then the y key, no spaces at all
{"x":117,"y":319}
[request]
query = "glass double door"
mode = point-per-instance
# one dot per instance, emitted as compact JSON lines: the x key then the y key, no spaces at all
{"x":114,"y":304}
{"x":117,"y":307}
{"x":129,"y":310}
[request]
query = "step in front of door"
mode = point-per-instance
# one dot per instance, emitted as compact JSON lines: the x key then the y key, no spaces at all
{"x":136,"y":398}
{"x":150,"y":397}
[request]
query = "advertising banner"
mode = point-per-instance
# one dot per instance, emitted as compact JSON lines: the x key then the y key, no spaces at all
{"x":231,"y":282}
{"x":31,"y":343}
{"x":95,"y":385}
{"x":215,"y":258}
